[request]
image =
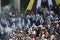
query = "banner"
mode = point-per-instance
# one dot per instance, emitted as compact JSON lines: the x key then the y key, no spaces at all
{"x":35,"y":4}
{"x":57,"y":2}
{"x":29,"y":7}
{"x":50,"y":3}
{"x":38,"y":4}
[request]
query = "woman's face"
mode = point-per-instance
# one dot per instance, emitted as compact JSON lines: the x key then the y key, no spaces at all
{"x":47,"y":34}
{"x":55,"y":38}
{"x":48,"y":26}
{"x":42,"y":32}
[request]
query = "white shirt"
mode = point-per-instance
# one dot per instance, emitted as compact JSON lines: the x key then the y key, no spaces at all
{"x":33,"y":17}
{"x":28,"y":16}
{"x":4,"y":21}
{"x":28,"y":22}
{"x":12,"y":19}
{"x":1,"y":28}
{"x":37,"y":17}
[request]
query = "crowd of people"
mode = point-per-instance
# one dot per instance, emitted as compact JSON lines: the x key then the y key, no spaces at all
{"x":37,"y":24}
